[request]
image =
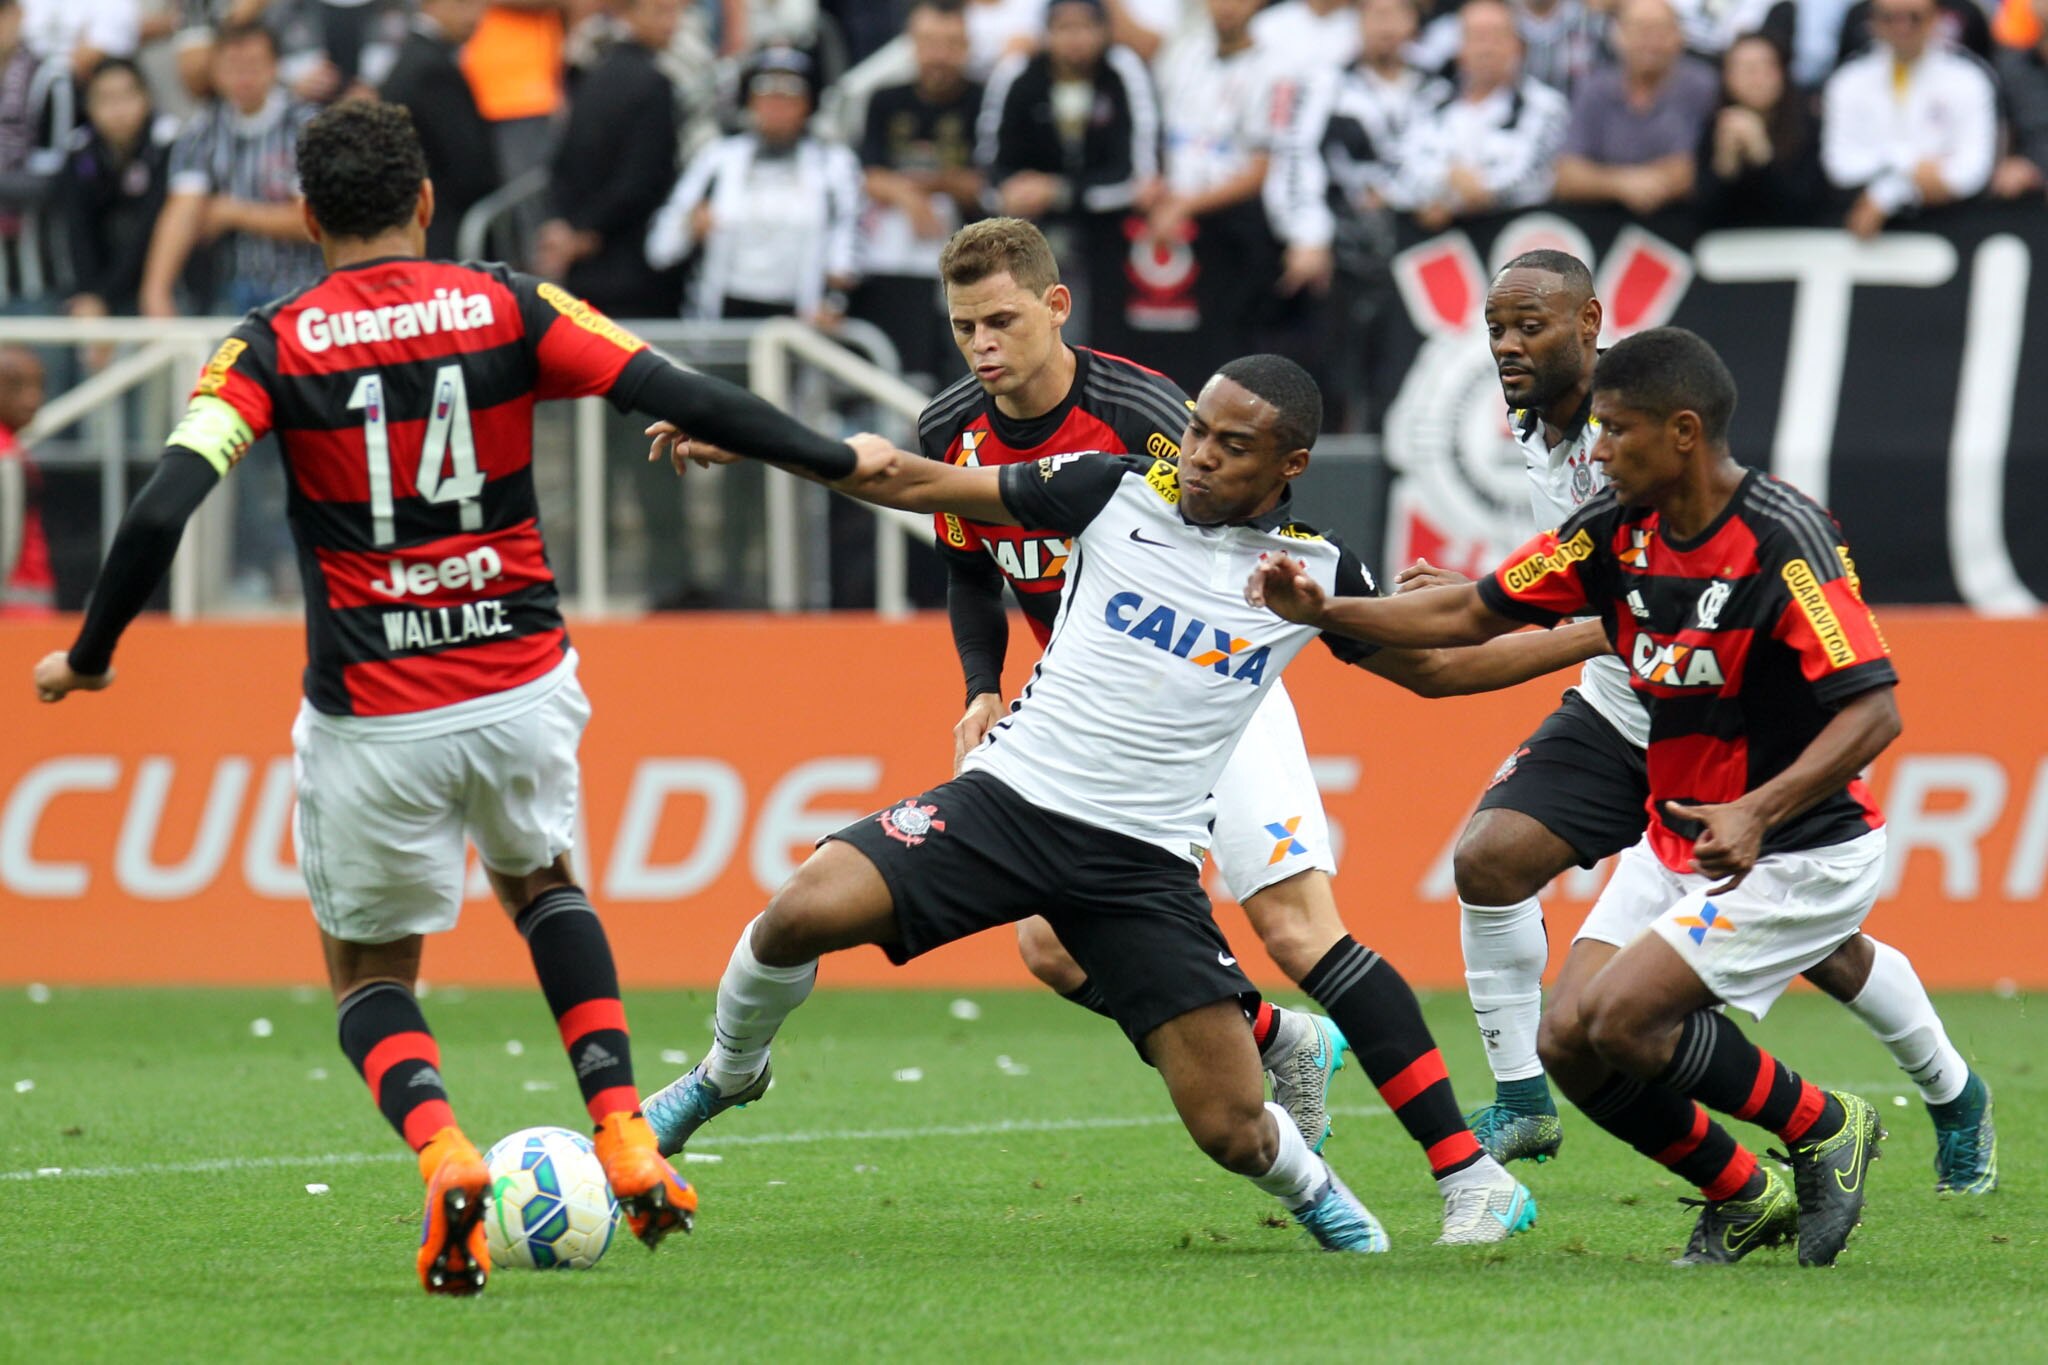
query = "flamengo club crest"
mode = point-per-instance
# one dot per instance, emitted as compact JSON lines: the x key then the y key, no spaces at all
{"x":1460,"y":496}
{"x":910,"y":823}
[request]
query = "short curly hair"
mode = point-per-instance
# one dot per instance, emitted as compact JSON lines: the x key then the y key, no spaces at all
{"x":1297,"y":402}
{"x":360,"y":168}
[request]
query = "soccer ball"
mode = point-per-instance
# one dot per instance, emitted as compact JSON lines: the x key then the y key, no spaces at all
{"x":550,"y":1206}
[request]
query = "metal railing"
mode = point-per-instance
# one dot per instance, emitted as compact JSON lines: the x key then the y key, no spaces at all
{"x":117,"y":415}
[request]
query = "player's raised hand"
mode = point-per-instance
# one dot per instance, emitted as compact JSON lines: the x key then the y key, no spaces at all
{"x":1423,"y":574}
{"x":982,"y":713}
{"x":1730,"y":841}
{"x":1282,"y":584}
{"x":55,"y":679}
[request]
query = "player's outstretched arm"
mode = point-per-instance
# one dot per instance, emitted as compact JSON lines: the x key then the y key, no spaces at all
{"x":1735,"y":830}
{"x":1441,"y":618}
{"x":727,"y":416}
{"x":1497,"y":664}
{"x":136,"y":562}
{"x":889,"y":477}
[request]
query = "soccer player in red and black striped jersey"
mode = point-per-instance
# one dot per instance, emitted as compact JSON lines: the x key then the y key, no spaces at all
{"x":441,"y":701}
{"x":1736,"y":606}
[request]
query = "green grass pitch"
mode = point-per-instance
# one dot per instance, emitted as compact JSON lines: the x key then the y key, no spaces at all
{"x":1029,"y":1197}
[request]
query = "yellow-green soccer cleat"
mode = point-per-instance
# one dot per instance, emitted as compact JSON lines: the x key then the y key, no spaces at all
{"x":1509,"y":1136}
{"x":1828,"y":1175}
{"x":1729,"y":1229}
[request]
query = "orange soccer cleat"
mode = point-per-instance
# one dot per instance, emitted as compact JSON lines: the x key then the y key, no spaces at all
{"x":655,"y":1200}
{"x":453,"y":1256}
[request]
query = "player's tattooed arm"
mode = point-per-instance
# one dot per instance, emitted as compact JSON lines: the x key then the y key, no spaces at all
{"x":1445,"y":618}
{"x":1497,"y":664}
{"x":1733,"y":831}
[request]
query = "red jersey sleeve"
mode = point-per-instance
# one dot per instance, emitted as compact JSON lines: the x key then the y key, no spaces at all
{"x":578,"y":352}
{"x":1545,"y":581}
{"x":955,"y":534}
{"x":230,"y":408}
{"x":1824,"y":620}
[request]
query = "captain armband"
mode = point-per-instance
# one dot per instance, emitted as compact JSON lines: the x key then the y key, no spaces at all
{"x":213,"y":430}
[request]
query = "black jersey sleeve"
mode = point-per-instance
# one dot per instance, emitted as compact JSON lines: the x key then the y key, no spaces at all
{"x":1353,"y":580}
{"x":1064,"y":493}
{"x":727,"y":415}
{"x":141,"y":554}
{"x":980,"y":622}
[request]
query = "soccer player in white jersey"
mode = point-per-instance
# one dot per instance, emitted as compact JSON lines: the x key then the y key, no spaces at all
{"x":1575,"y":790}
{"x":1096,"y":812}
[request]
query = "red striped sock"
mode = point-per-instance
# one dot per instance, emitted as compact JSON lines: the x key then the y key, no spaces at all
{"x":1262,"y":1025}
{"x":1716,"y":1065}
{"x":385,"y":1036}
{"x":573,"y":959}
{"x":1672,"y":1131}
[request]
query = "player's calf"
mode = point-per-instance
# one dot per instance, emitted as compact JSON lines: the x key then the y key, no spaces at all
{"x":573,"y":960}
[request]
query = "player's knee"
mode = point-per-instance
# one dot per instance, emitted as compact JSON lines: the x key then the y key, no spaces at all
{"x":1620,"y":1032}
{"x":1844,"y":972}
{"x":1297,"y":921}
{"x":1047,"y":958}
{"x":1561,"y":1041}
{"x":1236,"y":1137}
{"x":1492,"y":868}
{"x":796,"y":926}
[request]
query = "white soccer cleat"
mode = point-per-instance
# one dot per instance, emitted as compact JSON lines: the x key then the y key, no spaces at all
{"x":1493,"y":1210}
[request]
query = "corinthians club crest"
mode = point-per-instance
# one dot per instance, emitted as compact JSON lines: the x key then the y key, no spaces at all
{"x":910,"y":823}
{"x":1460,"y":496}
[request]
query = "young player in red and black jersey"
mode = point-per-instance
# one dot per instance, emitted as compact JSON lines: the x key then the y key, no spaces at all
{"x":1735,"y":604}
{"x":441,"y":701}
{"x":1029,"y":396}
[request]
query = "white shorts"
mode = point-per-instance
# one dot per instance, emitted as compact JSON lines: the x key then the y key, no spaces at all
{"x":1746,"y":945}
{"x":381,"y":825}
{"x":1269,"y":815}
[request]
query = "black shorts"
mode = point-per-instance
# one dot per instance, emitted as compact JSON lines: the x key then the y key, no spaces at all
{"x":1579,"y":778}
{"x":972,"y":855}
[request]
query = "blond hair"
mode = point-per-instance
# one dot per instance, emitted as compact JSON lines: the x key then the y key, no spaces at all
{"x":995,"y":245}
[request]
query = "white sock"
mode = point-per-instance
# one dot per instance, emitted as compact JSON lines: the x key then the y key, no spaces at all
{"x":1895,"y":1006}
{"x":1485,"y":1171}
{"x":1296,"y":1173}
{"x":753,"y":1000}
{"x":1505,"y":949}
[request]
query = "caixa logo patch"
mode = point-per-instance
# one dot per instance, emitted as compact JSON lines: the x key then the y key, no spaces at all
{"x":1192,"y":638}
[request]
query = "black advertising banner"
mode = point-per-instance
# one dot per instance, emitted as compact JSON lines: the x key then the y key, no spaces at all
{"x":1903,"y":381}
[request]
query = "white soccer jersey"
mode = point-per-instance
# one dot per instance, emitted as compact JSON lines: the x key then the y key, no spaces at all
{"x":1560,"y":479}
{"x":1218,"y":112}
{"x":1156,"y":663}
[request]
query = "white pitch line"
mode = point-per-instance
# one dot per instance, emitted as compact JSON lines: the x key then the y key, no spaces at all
{"x":1003,"y":1128}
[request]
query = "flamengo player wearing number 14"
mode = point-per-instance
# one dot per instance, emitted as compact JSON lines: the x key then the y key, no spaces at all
{"x":441,"y":695}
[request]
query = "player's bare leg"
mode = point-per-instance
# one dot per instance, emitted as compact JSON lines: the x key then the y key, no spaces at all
{"x":1879,"y":986}
{"x":1211,"y":1070}
{"x":1744,"y":1206}
{"x":386,"y":1036}
{"x":1299,"y":1051}
{"x":836,"y":900}
{"x":1503,"y":861}
{"x":1650,"y":1016}
{"x":573,"y":960}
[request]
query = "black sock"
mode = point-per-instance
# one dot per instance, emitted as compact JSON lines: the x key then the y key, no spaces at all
{"x":1719,"y":1067}
{"x":1377,"y":1011}
{"x":385,"y":1035}
{"x":1675,"y":1133}
{"x":573,"y":960}
{"x":1088,"y":998}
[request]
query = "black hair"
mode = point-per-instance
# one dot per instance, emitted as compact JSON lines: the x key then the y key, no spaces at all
{"x":1291,"y":391}
{"x":108,"y":65}
{"x":1567,"y":267}
{"x":230,"y":34}
{"x":360,"y":166}
{"x":1667,"y":370}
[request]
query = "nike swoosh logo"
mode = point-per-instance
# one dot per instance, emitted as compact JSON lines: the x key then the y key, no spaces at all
{"x":1223,"y":958}
{"x":1142,"y":540}
{"x":1494,"y":1010}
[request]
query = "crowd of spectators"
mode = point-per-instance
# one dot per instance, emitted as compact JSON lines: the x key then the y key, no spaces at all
{"x":1194,"y":160}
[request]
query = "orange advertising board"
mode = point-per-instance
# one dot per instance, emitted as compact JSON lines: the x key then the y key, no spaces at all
{"x":145,"y":832}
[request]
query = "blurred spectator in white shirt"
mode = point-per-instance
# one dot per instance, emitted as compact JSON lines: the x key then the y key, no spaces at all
{"x":1303,"y":35}
{"x":1488,"y":140}
{"x":1910,"y":123}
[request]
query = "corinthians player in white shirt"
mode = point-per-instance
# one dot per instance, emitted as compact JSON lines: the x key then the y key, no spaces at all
{"x":1090,"y":802}
{"x":1576,"y":790}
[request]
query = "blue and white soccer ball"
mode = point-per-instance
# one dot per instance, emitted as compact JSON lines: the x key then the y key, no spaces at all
{"x":550,"y":1206}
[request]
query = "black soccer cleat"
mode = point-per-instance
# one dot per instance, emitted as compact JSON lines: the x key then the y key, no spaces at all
{"x":1729,"y":1229}
{"x":1829,"y":1176}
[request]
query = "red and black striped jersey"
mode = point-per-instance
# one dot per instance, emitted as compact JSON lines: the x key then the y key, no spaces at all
{"x":1742,"y":641}
{"x":401,"y":392}
{"x":1114,"y":405}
